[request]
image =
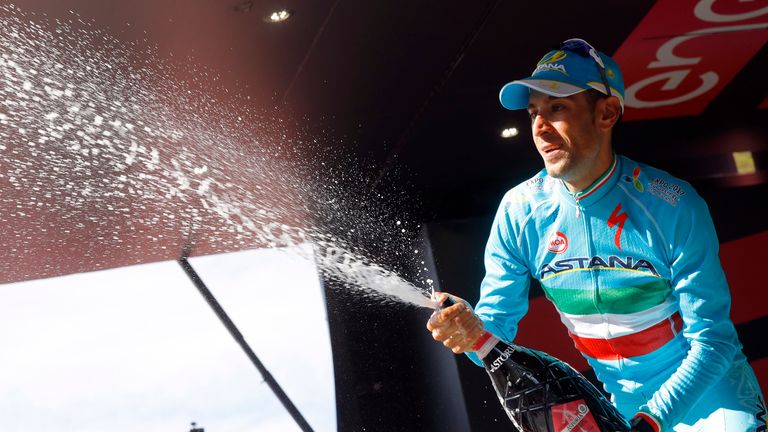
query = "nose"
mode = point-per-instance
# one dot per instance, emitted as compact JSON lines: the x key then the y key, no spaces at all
{"x":540,"y":125}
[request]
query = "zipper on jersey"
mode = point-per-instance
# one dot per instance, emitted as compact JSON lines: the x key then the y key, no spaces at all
{"x":590,"y":254}
{"x":593,"y":274}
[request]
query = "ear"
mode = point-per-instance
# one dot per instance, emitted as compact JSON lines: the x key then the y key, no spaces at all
{"x":608,"y":113}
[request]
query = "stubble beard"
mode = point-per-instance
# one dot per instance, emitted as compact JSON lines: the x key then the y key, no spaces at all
{"x":568,"y":168}
{"x":561,"y":168}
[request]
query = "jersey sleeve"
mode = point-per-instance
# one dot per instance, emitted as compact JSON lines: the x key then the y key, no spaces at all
{"x":504,"y":289}
{"x":699,"y":284}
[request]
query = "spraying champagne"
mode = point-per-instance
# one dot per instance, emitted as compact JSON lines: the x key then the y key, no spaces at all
{"x":543,"y":394}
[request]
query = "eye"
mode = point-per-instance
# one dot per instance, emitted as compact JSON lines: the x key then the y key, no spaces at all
{"x":557,"y":107}
{"x":532,"y":115}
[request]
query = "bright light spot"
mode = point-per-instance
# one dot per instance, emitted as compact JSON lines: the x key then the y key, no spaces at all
{"x":509,"y":132}
{"x":745,"y":164}
{"x":279,"y":16}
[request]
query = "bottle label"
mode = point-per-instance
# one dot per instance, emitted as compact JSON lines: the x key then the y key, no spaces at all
{"x":573,"y":416}
{"x":504,"y":356}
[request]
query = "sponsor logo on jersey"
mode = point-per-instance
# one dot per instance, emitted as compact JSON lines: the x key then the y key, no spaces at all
{"x":617,"y":218}
{"x":665,"y":190}
{"x":635,"y":180}
{"x":539,"y":184}
{"x":535,"y":184}
{"x":557,"y":242}
{"x":596,"y":262}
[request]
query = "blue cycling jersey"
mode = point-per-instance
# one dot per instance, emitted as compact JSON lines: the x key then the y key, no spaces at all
{"x":631,"y":265}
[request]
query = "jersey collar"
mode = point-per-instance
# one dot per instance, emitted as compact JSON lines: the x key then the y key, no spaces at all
{"x":597,"y":189}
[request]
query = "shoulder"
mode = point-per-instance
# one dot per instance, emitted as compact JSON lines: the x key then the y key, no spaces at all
{"x":668,"y":202}
{"x":518,"y":207}
{"x":523,"y":199}
{"x":656,"y":188}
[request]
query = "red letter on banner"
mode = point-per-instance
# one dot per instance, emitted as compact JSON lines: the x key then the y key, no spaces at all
{"x":684,"y":52}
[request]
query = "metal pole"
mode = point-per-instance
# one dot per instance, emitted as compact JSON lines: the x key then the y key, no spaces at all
{"x":206,"y":293}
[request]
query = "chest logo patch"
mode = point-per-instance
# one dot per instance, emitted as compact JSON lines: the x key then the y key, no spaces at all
{"x":635,"y":180}
{"x":617,"y":218}
{"x":557,"y":242}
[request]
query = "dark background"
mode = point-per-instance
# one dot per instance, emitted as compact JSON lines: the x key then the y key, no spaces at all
{"x":408,"y":91}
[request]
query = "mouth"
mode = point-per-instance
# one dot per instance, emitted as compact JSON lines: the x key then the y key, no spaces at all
{"x":548,"y":149}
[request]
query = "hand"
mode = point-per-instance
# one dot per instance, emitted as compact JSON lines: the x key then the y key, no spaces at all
{"x":457,"y":326}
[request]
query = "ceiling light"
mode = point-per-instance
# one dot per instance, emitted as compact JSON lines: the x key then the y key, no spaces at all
{"x":509,"y":132}
{"x":279,"y":16}
{"x":745,"y":163}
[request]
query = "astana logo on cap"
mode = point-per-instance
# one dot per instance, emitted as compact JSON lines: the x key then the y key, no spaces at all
{"x":549,"y":63}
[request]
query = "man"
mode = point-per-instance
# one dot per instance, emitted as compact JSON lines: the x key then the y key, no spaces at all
{"x":626,"y":252}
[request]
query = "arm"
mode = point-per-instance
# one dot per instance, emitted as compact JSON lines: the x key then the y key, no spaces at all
{"x":702,"y":291}
{"x":504,"y":289}
{"x":503,"y":295}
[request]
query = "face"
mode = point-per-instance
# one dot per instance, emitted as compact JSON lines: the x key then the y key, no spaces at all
{"x":567,"y":138}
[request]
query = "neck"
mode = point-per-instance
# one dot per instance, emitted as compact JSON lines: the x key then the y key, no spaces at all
{"x":601,"y":164}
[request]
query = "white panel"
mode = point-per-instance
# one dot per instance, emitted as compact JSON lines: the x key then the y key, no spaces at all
{"x":275,"y":298}
{"x":130,"y":349}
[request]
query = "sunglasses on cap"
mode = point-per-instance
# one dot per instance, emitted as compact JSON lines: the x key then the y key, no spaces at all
{"x":584,"y":49}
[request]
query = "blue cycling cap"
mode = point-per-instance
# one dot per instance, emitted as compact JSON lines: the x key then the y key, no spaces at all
{"x":572,"y":68}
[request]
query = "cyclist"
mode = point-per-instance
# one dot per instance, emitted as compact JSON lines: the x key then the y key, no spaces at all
{"x":627,"y":253}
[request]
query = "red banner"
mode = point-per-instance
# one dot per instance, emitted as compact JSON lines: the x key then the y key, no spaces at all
{"x":684,"y":52}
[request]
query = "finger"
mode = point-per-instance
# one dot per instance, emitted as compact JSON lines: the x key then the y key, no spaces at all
{"x":467,"y":319}
{"x":471,"y":327}
{"x":451,"y":312}
{"x":436,"y":320}
{"x":446,"y":300}
{"x":446,"y":331}
{"x":463,"y":324}
{"x":440,"y":297}
{"x":458,"y":344}
{"x":460,"y":349}
{"x":442,"y":317}
{"x":432,"y":322}
{"x":455,"y":343}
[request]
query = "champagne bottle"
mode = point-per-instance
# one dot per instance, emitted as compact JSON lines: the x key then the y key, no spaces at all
{"x":543,"y":394}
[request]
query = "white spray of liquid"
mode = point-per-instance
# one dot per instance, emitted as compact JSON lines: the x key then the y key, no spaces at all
{"x":111,"y":146}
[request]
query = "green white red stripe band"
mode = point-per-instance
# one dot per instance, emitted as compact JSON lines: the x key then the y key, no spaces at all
{"x":631,"y":345}
{"x":622,"y":300}
{"x":606,"y":326}
{"x":599,"y":183}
